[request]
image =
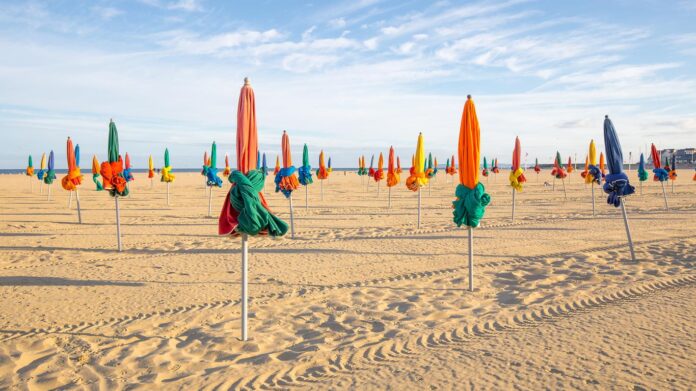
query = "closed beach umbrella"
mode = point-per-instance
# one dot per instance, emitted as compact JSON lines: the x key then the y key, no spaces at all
{"x":305,"y":171}
{"x":264,"y":166}
{"x":245,"y":211}
{"x":95,"y":173}
{"x":227,"y":171}
{"x":127,"y":173}
{"x":393,"y":176}
{"x":112,"y":173}
{"x":322,"y":174}
{"x":472,"y":199}
{"x":150,"y":169}
{"x":398,"y":165}
{"x":212,"y":178}
{"x":286,"y":179}
{"x":276,"y":170}
{"x":50,"y":171}
{"x":30,"y":167}
{"x":642,"y":173}
{"x":516,"y":173}
{"x":167,"y":176}
{"x":616,"y":184}
{"x":661,"y":174}
{"x":418,"y":179}
{"x":602,"y":166}
{"x":569,"y":166}
{"x":594,"y":175}
{"x":73,"y":179}
{"x":484,"y":172}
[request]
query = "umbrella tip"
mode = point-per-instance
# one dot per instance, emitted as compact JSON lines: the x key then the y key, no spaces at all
{"x":246,"y":81}
{"x":468,"y":96}
{"x":606,"y":116}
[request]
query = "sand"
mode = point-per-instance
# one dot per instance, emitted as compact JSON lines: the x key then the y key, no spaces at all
{"x":360,"y":299}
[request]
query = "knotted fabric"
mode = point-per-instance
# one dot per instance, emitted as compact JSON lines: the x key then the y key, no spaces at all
{"x":593,"y":174}
{"x":167,"y":175}
{"x":617,"y":186}
{"x":661,"y":175}
{"x":113,"y":179}
{"x":305,"y":175}
{"x":245,"y":210}
{"x":470,"y":205}
{"x":286,"y":181}
{"x":517,"y":179}
{"x":72,"y":180}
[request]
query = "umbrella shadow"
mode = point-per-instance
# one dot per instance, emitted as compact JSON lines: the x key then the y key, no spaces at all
{"x":59,"y":281}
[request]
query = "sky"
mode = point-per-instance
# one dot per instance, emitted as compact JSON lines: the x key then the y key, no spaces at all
{"x":349,"y":77}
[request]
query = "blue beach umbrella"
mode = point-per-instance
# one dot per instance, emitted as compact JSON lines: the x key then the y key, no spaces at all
{"x":616,"y":183}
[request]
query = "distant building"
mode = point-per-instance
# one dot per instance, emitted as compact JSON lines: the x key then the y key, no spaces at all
{"x":683,"y":156}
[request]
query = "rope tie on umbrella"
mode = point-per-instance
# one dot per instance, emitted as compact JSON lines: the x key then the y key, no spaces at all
{"x":253,"y":216}
{"x":72,"y":180}
{"x":50,"y":176}
{"x":517,"y":178}
{"x":593,"y":175}
{"x":286,"y":181}
{"x":416,"y":181}
{"x":167,"y":175}
{"x":212,"y":178}
{"x":470,"y":205}
{"x":617,"y":186}
{"x":112,"y":176}
{"x":661,"y":174}
{"x":305,"y":175}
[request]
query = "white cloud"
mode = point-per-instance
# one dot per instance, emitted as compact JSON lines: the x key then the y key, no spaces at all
{"x":107,"y":13}
{"x":371,"y":43}
{"x":190,"y":43}
{"x":337,"y":23}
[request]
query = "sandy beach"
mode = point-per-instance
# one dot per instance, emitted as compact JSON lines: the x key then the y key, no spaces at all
{"x":359,"y":299}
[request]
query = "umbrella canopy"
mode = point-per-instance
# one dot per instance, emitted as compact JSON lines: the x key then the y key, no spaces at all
{"x":472,"y":199}
{"x":50,"y":172}
{"x":594,"y":174}
{"x":127,"y":173}
{"x":495,"y":168}
{"x":435,"y":166}
{"x":77,"y":155}
{"x":74,"y":177}
{"x":211,"y":172}
{"x":673,"y":168}
{"x":516,"y":173}
{"x":616,"y":184}
{"x":371,"y":171}
{"x":569,"y":166}
{"x":642,"y":173}
{"x":601,"y":164}
{"x":484,"y":172}
{"x":276,"y":170}
{"x":305,"y":170}
{"x":660,"y":173}
{"x":558,"y":170}
{"x":167,"y":175}
{"x":321,"y":171}
{"x":418,"y":179}
{"x":150,"y":167}
{"x":429,"y":171}
{"x":95,"y":173}
{"x":286,"y":179}
{"x":30,"y":167}
{"x":398,"y":165}
{"x":453,"y":166}
{"x":393,"y":177}
{"x":245,"y":209}
{"x":328,"y":166}
{"x":587,"y":167}
{"x":112,"y":170}
{"x":379,"y":173}
{"x":42,"y":168}
{"x":258,"y":160}
{"x":537,"y":167}
{"x":227,"y":170}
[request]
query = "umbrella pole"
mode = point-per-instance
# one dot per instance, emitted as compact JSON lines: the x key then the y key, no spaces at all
{"x":321,"y":189}
{"x":640,"y":184}
{"x":389,"y":198}
{"x":430,"y":186}
{"x":210,"y":201}
{"x":664,"y":194}
{"x":513,"y":204}
{"x":672,"y":186}
{"x":167,"y":193}
{"x":292,"y":219}
{"x":70,"y":200}
{"x":306,"y":198}
{"x":471,"y":259}
{"x":79,"y":212}
{"x":554,"y":184}
{"x":628,"y":230}
{"x":151,"y":183}
{"x":245,"y":286}
{"x":49,"y":192}
{"x":378,"y":190}
{"x":118,"y":224}
{"x":419,"y":206}
{"x":565,"y":195}
{"x":593,"y":211}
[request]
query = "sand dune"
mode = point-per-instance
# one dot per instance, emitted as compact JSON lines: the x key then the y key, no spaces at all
{"x":360,"y":299}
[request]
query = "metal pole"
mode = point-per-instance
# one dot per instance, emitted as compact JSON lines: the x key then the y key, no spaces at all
{"x":321,"y":189}
{"x":471,"y":259}
{"x":49,"y":192}
{"x":513,"y":204}
{"x":565,"y":195}
{"x":292,"y":219}
{"x":79,"y":212}
{"x":628,"y":230}
{"x":664,"y":194}
{"x":593,"y":212}
{"x":419,"y":206}
{"x":210,"y":201}
{"x":70,"y":200}
{"x":389,"y":198}
{"x":167,"y":193}
{"x":306,"y":197}
{"x":118,"y":224}
{"x":378,"y":190}
{"x":640,"y":184}
{"x":245,"y":285}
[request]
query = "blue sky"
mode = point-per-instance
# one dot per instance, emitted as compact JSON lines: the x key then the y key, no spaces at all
{"x":350,"y":77}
